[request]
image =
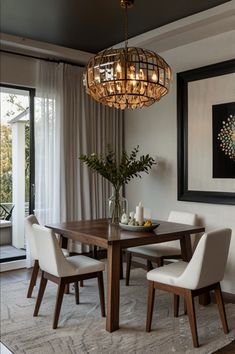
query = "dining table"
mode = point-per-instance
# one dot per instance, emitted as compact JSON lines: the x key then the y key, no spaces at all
{"x":102,"y":233}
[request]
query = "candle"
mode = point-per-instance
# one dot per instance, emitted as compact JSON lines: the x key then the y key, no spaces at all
{"x":140,"y":214}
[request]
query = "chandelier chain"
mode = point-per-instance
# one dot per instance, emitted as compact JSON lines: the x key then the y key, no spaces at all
{"x":126,"y":26}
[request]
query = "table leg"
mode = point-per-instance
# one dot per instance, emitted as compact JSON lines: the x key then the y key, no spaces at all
{"x":121,"y":264}
{"x":113,"y":293}
{"x":63,"y":241}
{"x":186,"y":248}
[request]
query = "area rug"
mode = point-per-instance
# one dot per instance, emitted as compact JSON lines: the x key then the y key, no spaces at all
{"x":82,"y":329}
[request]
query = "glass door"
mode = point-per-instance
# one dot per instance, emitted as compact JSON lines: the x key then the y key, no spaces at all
{"x":17,"y":169}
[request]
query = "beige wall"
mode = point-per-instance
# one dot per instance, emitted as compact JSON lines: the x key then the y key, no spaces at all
{"x":154,"y":129}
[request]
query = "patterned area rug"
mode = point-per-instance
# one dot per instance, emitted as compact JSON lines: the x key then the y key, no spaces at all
{"x":82,"y":329}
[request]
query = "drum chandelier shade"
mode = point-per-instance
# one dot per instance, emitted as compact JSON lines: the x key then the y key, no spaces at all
{"x":127,"y":77}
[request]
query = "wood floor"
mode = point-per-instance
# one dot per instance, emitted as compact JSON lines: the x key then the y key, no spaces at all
{"x":24,"y":274}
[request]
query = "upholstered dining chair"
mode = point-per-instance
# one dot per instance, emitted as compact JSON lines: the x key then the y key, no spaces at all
{"x":158,"y":252}
{"x":29,"y":232}
{"x":62,"y":271}
{"x":203,"y":273}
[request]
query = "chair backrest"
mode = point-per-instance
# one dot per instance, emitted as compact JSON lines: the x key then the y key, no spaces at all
{"x":181,"y":217}
{"x":208,"y":263}
{"x":29,"y":232}
{"x":50,"y":255}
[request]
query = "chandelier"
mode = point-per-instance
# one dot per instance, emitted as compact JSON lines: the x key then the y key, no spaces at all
{"x":127,"y":77}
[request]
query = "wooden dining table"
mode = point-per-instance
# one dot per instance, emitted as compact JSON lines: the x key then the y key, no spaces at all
{"x":104,"y":234}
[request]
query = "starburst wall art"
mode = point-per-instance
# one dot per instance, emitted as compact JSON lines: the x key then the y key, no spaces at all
{"x":224,"y":140}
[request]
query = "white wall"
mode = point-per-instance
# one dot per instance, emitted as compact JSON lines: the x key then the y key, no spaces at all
{"x":155,"y":130}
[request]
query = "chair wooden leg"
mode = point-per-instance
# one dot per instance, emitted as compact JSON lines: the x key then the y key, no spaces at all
{"x":94,"y":252}
{"x":128,"y":266}
{"x":76,"y":288}
{"x":121,"y":265}
{"x":185,"y":307}
{"x":151,"y":295}
{"x":191,"y":316}
{"x":33,"y":279}
{"x":101,"y":292}
{"x":176,"y":305}
{"x":66,"y":289}
{"x":59,"y":299}
{"x":220,"y":303}
{"x":149,"y":265}
{"x":81,"y":284}
{"x":160,"y":262}
{"x":41,"y":290}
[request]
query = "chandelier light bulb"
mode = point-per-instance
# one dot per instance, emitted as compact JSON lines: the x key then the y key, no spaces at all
{"x":119,"y":68}
{"x":154,"y":77}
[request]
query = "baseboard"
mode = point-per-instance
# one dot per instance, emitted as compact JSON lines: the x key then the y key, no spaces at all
{"x":4,"y":267}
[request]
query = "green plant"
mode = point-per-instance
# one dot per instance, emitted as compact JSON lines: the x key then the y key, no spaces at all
{"x":120,"y":172}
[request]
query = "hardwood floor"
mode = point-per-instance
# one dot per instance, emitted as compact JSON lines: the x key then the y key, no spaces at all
{"x":25,"y":274}
{"x":229,"y":349}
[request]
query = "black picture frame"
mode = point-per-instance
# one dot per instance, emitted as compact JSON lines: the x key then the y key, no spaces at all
{"x":183,"y":78}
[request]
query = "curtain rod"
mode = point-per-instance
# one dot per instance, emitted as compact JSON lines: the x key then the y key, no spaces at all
{"x":46,"y":59}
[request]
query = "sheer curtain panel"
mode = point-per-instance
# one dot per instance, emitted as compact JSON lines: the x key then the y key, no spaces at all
{"x":49,"y":144}
{"x":69,"y":123}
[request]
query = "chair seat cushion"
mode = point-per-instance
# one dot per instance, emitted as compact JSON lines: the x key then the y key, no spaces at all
{"x":168,"y":274}
{"x":84,"y":265}
{"x":155,"y":250}
{"x":65,"y":252}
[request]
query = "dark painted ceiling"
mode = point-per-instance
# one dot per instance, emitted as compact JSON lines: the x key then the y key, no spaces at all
{"x":91,"y":25}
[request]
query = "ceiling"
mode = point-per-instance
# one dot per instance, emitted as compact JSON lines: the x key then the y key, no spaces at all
{"x":91,"y":25}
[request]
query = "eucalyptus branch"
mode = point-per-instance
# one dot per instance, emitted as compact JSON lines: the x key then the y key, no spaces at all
{"x":119,"y":173}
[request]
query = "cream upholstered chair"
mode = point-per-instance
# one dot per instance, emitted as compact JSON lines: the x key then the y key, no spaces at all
{"x":203,"y":273}
{"x":63,"y":271}
{"x":29,"y":232}
{"x":158,"y":252}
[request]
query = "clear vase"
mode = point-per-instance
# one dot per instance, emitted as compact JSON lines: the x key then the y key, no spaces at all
{"x":117,"y":206}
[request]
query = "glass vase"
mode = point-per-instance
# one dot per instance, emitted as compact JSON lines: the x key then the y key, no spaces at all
{"x":117,"y":206}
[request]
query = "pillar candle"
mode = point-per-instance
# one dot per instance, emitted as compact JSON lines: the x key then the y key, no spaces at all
{"x":140,"y":214}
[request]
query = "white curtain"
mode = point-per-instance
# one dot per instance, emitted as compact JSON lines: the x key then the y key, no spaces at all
{"x":49,"y":146}
{"x":69,"y":123}
{"x":88,"y":127}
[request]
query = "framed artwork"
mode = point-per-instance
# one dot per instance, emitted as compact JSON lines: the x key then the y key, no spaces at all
{"x":206,"y":134}
{"x":223,"y":130}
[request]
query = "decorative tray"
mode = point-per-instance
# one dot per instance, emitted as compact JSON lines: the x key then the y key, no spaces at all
{"x":138,"y":228}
